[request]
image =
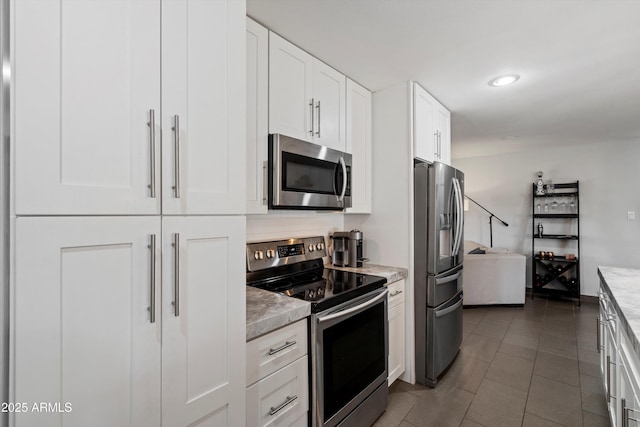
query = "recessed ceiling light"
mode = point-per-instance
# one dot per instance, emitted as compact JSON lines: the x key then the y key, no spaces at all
{"x":504,"y":80}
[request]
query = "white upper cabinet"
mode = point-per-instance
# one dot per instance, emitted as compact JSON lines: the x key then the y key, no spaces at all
{"x":329,"y":88}
{"x":424,"y":147}
{"x":87,"y":84}
{"x":84,"y":327}
{"x":431,"y":127}
{"x":89,"y":118}
{"x":306,"y":96}
{"x":257,"y":115}
{"x":203,"y":107}
{"x":290,"y":89}
{"x":203,"y":315}
{"x":442,"y":124}
{"x":359,"y":145}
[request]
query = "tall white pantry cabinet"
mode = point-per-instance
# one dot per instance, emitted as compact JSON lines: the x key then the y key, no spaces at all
{"x":128,"y":296}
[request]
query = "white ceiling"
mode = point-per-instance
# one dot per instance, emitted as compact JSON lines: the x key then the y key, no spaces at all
{"x":579,"y":61}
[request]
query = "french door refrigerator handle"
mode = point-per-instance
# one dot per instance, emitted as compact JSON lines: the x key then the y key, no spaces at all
{"x":454,"y":307}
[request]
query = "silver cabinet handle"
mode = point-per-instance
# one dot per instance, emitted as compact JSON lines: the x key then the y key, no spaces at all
{"x":176,"y":274}
{"x":152,"y":151}
{"x":318,"y":108}
{"x":176,"y":166}
{"x":608,"y":391}
{"x":435,"y":145}
{"x":396,"y":293}
{"x":265,"y":182}
{"x":598,"y":345}
{"x":288,"y":400}
{"x":287,"y":344}
{"x":312,"y":122}
{"x":152,"y":296}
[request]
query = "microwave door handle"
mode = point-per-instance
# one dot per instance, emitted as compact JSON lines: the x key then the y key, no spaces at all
{"x":344,"y":179}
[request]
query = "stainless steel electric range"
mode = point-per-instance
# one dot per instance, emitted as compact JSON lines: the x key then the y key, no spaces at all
{"x":348,"y":327}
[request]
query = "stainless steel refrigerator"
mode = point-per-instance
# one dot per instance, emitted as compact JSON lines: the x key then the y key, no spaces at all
{"x":438,"y":240}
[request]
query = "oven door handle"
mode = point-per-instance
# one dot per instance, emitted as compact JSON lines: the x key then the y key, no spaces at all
{"x":454,"y":307}
{"x":350,"y":310}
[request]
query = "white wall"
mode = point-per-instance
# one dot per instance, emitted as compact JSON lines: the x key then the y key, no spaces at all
{"x":288,"y":224}
{"x":609,"y":188}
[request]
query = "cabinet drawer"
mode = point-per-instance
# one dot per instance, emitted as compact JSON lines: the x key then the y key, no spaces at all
{"x":270,"y":352}
{"x":280,"y":399}
{"x":396,"y":292}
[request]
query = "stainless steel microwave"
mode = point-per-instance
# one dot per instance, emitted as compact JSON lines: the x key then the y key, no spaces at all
{"x":303,"y":175}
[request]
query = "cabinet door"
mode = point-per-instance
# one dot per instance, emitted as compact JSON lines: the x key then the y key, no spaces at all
{"x":83,"y":333}
{"x":443,"y":127}
{"x":329,"y":88}
{"x":629,"y":386}
{"x":203,"y":313}
{"x":359,"y":144}
{"x":423,"y":126}
{"x":203,"y":107}
{"x":257,"y":115}
{"x":396,"y":330}
{"x":88,"y":83}
{"x":290,"y":89}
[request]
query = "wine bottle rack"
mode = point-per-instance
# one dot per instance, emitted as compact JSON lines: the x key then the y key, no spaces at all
{"x":556,"y":276}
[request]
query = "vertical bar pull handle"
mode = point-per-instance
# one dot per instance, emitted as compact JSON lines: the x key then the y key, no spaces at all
{"x":152,"y":151}
{"x":312,"y":122}
{"x":176,"y":155}
{"x":598,"y":333}
{"x":176,"y":274}
{"x":152,"y":296}
{"x":435,"y":145}
{"x":318,"y":108}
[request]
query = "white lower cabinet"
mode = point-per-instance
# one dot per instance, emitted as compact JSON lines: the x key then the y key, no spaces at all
{"x":396,"y":330}
{"x":95,"y":324}
{"x":619,"y":365}
{"x":278,"y":377}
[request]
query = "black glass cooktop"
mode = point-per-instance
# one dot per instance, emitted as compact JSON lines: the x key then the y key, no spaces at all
{"x":322,"y":287}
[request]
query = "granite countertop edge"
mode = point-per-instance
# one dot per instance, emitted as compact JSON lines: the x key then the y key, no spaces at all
{"x":621,"y":284}
{"x":268,"y":311}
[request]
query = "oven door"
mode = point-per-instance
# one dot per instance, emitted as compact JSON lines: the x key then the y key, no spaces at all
{"x":307,"y":176}
{"x":349,"y":361}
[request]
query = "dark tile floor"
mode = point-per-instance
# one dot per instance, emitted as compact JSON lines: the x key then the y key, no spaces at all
{"x":528,"y":366}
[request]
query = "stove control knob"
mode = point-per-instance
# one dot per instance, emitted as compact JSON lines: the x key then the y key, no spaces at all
{"x":271,"y":253}
{"x":311,"y":247}
{"x":319,"y":246}
{"x":258,"y":255}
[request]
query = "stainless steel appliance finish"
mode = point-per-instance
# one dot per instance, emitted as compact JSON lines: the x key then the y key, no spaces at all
{"x":347,"y":248}
{"x":438,"y":228}
{"x":348,"y":328}
{"x":303,"y":175}
{"x":5,"y":127}
{"x":349,"y":364}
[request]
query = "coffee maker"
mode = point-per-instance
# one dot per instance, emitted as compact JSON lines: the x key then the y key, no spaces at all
{"x":347,"y":248}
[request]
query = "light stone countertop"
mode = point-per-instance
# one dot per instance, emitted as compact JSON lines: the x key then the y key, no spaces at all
{"x":268,"y":311}
{"x":623,"y":287}
{"x":392,"y":274}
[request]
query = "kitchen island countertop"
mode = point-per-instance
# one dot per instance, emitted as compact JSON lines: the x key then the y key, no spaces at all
{"x":268,"y":311}
{"x":622,"y":285}
{"x":392,"y":274}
